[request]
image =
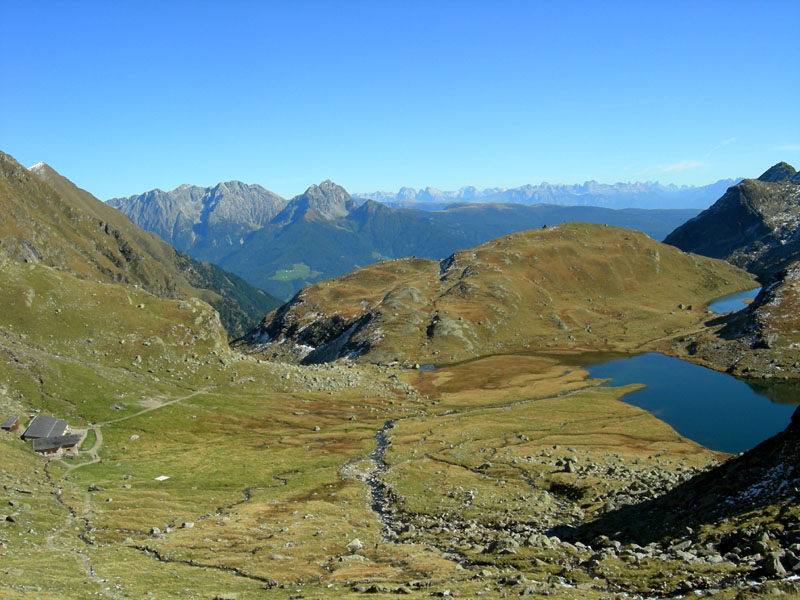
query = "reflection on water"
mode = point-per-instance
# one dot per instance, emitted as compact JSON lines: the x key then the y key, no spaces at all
{"x":711,"y":408}
{"x":733,"y":302}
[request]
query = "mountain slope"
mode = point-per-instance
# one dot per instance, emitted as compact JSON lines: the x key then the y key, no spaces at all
{"x":50,"y":220}
{"x":571,"y":286}
{"x":754,"y":225}
{"x":285,"y":258}
{"x":747,"y":506}
{"x":240,"y":305}
{"x":761,"y":341}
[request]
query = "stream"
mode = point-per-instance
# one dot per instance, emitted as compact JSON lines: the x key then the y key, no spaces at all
{"x":380,"y":501}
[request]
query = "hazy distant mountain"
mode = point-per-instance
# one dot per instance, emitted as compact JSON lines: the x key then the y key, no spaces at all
{"x":754,"y":225}
{"x":324,"y":232}
{"x":324,"y":202}
{"x":591,"y":193}
{"x":205,"y":222}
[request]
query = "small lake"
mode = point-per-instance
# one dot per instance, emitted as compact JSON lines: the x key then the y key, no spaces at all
{"x":712,"y":408}
{"x":733,"y":302}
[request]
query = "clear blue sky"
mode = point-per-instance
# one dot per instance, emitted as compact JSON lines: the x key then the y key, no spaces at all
{"x":123,"y":97}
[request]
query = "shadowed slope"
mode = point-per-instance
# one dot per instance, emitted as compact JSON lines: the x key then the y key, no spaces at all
{"x":737,"y":490}
{"x":755,"y":225}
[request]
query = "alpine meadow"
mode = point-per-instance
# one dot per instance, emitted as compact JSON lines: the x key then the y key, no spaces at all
{"x":342,"y":300}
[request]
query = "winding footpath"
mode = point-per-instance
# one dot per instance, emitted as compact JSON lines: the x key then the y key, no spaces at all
{"x":98,"y":432}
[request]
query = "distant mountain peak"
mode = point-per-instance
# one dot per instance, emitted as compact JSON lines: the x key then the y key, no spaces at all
{"x":754,"y":225}
{"x":38,"y":166}
{"x":324,"y":202}
{"x":327,"y":188}
{"x":779,"y":172}
{"x":648,"y":194}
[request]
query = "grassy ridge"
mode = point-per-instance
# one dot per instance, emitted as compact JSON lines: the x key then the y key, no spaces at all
{"x":575,"y":286}
{"x":157,"y":266}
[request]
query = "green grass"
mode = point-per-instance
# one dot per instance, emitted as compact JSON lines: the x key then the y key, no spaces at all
{"x":298,"y":271}
{"x":89,"y":440}
{"x":217,"y":425}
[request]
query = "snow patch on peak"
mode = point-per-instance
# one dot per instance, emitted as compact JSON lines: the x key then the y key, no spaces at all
{"x":37,"y":167}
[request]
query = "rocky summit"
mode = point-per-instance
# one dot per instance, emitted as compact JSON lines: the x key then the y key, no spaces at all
{"x":192,"y":217}
{"x":755,"y":225}
{"x":569,"y":287}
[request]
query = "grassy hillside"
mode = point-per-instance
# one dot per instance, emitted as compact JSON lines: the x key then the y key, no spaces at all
{"x":50,"y":219}
{"x":322,"y":481}
{"x":574,"y":286}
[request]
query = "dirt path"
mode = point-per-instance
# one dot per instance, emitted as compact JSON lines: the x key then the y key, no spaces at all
{"x":98,"y":432}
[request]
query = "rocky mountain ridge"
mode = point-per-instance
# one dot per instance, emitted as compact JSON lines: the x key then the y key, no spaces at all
{"x":190,"y":217}
{"x":324,"y":202}
{"x":325,"y":232}
{"x":755,"y":225}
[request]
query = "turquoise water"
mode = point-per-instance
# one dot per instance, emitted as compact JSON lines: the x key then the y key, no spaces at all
{"x":712,"y":408}
{"x":733,"y":302}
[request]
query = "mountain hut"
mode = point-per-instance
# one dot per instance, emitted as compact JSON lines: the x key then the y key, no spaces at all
{"x":54,"y":445}
{"x":10,"y":424}
{"x":44,"y":427}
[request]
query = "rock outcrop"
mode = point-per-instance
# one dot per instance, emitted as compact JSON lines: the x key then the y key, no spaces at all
{"x":760,"y":341}
{"x":755,"y":225}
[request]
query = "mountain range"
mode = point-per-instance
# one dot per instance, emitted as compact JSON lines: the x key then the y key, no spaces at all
{"x":648,"y":194}
{"x":282,"y":245}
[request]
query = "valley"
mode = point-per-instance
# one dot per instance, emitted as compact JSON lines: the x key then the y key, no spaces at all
{"x":316,"y":458}
{"x":282,"y":245}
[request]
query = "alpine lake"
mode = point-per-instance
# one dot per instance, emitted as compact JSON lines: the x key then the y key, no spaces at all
{"x":712,"y":408}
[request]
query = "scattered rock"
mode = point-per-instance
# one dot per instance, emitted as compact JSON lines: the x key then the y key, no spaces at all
{"x":354,"y":545}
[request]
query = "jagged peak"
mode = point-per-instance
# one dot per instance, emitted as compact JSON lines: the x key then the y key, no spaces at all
{"x":779,"y":172}
{"x":326,"y":188}
{"x":39,"y":166}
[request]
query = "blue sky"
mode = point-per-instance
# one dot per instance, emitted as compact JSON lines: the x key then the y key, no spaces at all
{"x":123,"y":97}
